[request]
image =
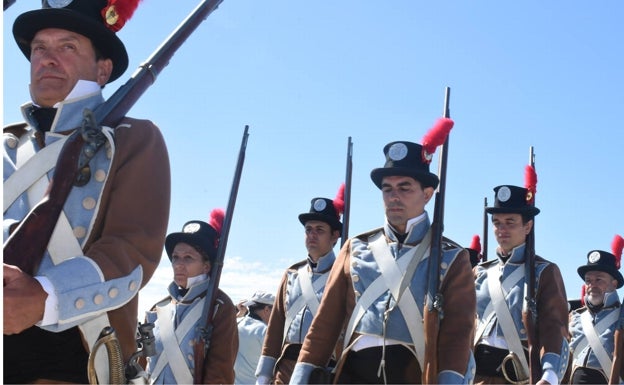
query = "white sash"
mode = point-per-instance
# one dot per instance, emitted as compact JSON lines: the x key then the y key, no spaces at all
{"x":31,"y":172}
{"x":172,"y":354}
{"x":594,"y":340}
{"x":511,"y":280}
{"x":391,"y":278}
{"x":308,"y":296}
{"x":504,"y":317}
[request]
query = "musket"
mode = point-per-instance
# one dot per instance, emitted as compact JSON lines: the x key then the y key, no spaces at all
{"x":434,"y":300}
{"x":347,"y":194}
{"x":8,"y":3}
{"x":205,"y":329}
{"x":485,"y":232}
{"x":618,"y":351}
{"x":529,"y":311}
{"x":27,"y":244}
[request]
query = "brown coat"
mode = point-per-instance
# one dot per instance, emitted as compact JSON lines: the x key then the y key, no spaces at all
{"x":455,"y":335}
{"x":132,"y":221}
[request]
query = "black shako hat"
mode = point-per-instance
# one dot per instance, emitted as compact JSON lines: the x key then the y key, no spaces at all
{"x":98,"y":20}
{"x":323,"y":209}
{"x":598,"y":260}
{"x":405,"y":159}
{"x":195,"y":233}
{"x":514,"y":200}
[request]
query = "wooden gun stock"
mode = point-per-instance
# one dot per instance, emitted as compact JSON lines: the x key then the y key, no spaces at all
{"x":618,"y":351}
{"x":28,"y":242}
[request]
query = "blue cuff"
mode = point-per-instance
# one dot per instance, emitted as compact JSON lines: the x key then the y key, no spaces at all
{"x":558,"y":363}
{"x":450,"y":377}
{"x":83,"y":293}
{"x":301,"y":373}
{"x":265,"y":366}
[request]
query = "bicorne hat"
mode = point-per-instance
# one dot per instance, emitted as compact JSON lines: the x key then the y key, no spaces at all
{"x":97,"y":20}
{"x":199,"y":234}
{"x":513,"y":200}
{"x":599,"y":260}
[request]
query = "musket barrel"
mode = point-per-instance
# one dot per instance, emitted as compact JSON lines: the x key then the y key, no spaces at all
{"x":347,"y":194}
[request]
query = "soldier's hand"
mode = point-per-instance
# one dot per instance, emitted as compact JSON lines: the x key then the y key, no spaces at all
{"x":23,"y":301}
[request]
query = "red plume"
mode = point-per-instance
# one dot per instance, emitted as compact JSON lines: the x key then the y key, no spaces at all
{"x":583,"y":290}
{"x":616,"y":247}
{"x":117,"y":12}
{"x":530,"y":183}
{"x":216,"y":220}
{"x":435,"y":137}
{"x":339,"y":202}
{"x":476,"y":244}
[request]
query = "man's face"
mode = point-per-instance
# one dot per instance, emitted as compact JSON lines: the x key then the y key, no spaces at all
{"x":597,"y":284}
{"x":58,"y":59}
{"x":509,"y":230}
{"x":319,"y":238}
{"x":404,"y":198}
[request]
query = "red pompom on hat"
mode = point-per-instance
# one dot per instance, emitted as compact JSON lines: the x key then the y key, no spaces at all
{"x":530,"y":183}
{"x":475,"y":250}
{"x":435,"y":137}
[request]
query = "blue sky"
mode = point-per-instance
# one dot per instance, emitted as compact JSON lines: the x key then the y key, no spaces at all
{"x":307,"y":75}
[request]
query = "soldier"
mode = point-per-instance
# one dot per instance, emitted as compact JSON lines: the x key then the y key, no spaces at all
{"x":252,"y":328}
{"x":301,"y":290}
{"x":501,"y":338}
{"x":109,"y":236}
{"x":377,"y":289}
{"x":178,"y":317}
{"x":592,"y":327}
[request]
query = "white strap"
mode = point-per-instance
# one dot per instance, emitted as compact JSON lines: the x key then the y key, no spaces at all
{"x":30,"y":169}
{"x":594,"y":340}
{"x":511,"y":281}
{"x":308,"y":296}
{"x":600,"y":328}
{"x":172,"y":354}
{"x":307,"y":290}
{"x":395,"y":279}
{"x":389,"y":280}
{"x":504,"y":318}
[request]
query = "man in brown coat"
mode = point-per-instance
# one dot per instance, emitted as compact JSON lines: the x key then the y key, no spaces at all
{"x":109,"y":237}
{"x":377,"y":286}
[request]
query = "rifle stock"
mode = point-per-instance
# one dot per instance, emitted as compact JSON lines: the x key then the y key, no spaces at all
{"x":618,"y":351}
{"x":203,"y":344}
{"x":347,"y":194}
{"x":434,"y":300}
{"x":28,"y":242}
{"x":23,"y":248}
